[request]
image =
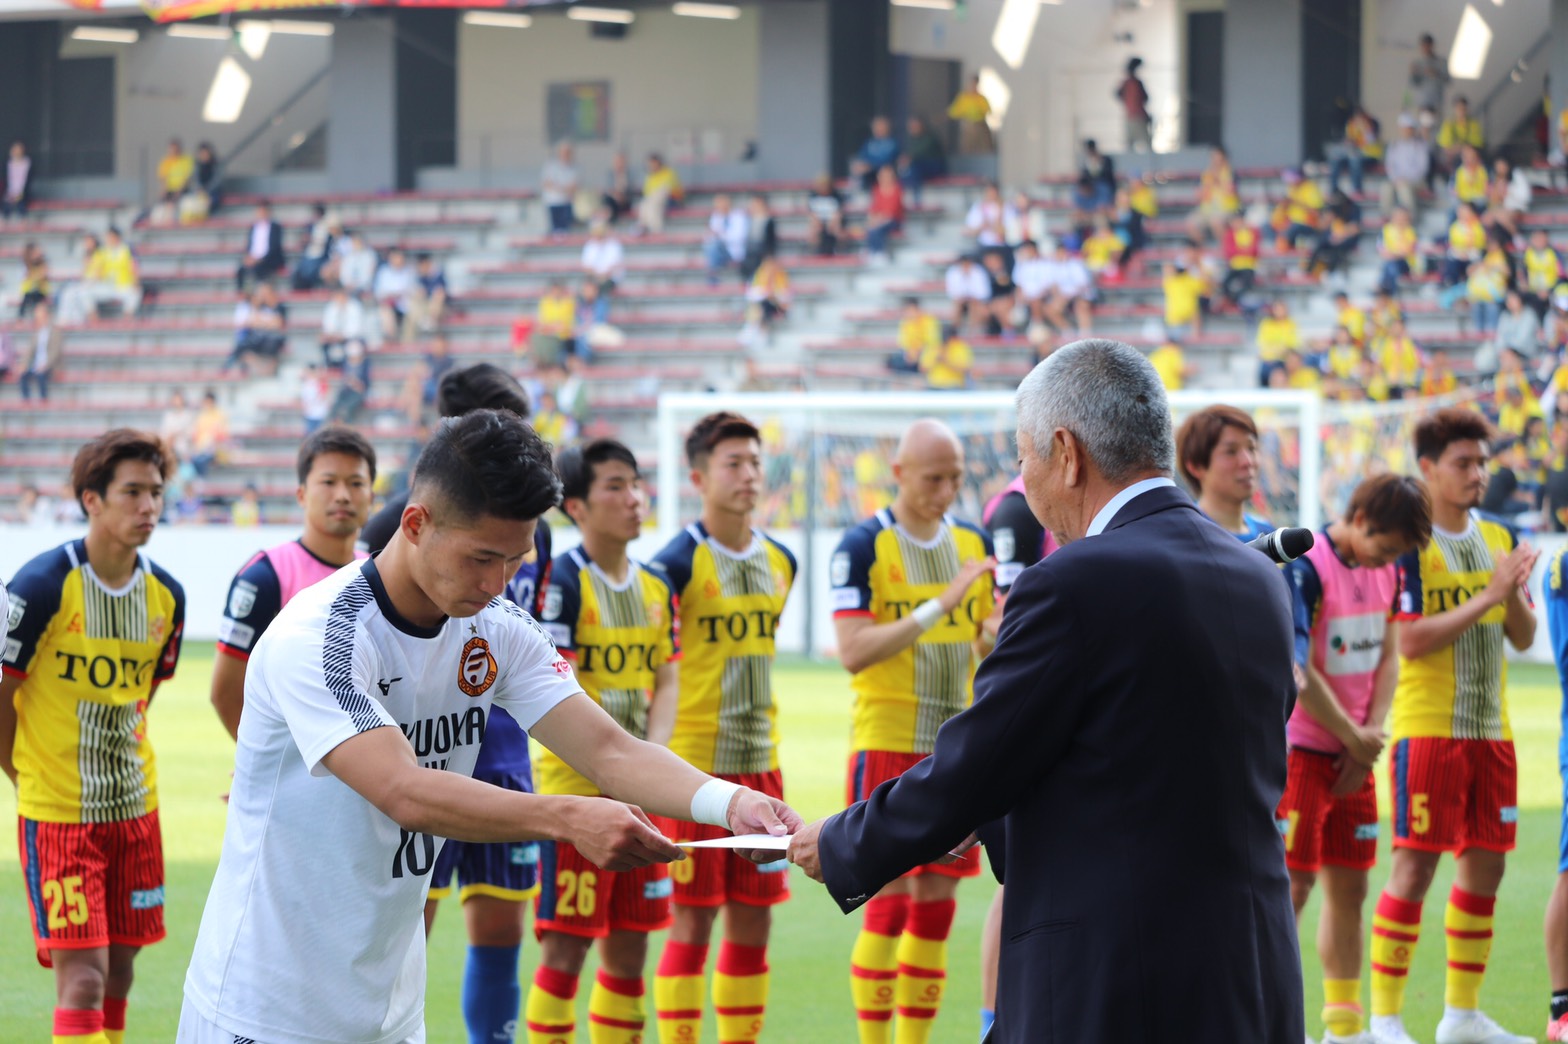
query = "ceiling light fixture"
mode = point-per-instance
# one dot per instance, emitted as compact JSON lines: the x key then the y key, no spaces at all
{"x":929,"y":5}
{"x":292,"y":28}
{"x":617,"y":15}
{"x":226,"y":97}
{"x":729,"y":12}
{"x":105,"y":34}
{"x":188,"y":31}
{"x":498,"y":19}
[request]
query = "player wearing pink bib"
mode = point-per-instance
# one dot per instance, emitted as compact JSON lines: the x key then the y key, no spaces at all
{"x":1348,"y":587}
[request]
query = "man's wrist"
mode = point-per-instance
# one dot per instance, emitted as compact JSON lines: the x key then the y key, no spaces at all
{"x":711,"y":802}
{"x":929,"y":613}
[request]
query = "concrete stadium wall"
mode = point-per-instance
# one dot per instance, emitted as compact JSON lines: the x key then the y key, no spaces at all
{"x":670,"y":75}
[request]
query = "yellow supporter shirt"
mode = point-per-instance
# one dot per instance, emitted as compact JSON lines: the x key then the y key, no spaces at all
{"x":663,"y":180}
{"x":1141,"y":198}
{"x":947,"y":366}
{"x":617,"y":638}
{"x":1469,"y":184}
{"x":1276,"y":337}
{"x":1302,"y":202}
{"x":1246,"y":259}
{"x":1400,"y":362}
{"x":175,"y":172}
{"x":1458,"y":691}
{"x":1169,"y":362}
{"x":1217,"y":189}
{"x":119,"y":267}
{"x":729,"y":602}
{"x":1466,"y":238}
{"x":1543,"y":268}
{"x":918,"y":334}
{"x":1344,"y":361}
{"x":89,"y":659}
{"x":1306,"y":379}
{"x":1355,"y":320}
{"x":1433,"y":383}
{"x":970,"y":106}
{"x":881,"y":572}
{"x":1399,"y":242}
{"x":1182,"y":293}
{"x":1100,"y":248}
{"x":558,"y":314}
{"x":1454,"y":133}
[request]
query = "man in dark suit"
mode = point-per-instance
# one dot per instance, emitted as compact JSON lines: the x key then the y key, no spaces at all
{"x":263,"y":256}
{"x":1125,"y":751}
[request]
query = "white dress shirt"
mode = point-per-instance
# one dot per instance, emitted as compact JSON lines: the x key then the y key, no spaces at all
{"x":1120,"y":500}
{"x":603,"y":258}
{"x":968,"y":283}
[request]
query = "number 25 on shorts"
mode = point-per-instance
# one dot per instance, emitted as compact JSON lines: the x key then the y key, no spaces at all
{"x":1420,"y":815}
{"x":67,"y":905}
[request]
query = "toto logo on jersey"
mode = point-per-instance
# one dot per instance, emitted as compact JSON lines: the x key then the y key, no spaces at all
{"x":476,"y":670}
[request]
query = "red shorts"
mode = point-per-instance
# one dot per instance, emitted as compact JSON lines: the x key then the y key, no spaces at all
{"x":1454,"y":794}
{"x":868,"y":769}
{"x":715,"y":876}
{"x":1320,"y":828}
{"x":92,"y":884}
{"x":578,"y":898}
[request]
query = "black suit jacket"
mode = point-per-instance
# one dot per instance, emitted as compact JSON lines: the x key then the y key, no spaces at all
{"x":1128,"y":739}
{"x":274,"y":259}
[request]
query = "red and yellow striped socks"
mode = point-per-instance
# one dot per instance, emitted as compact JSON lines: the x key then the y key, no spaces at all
{"x":615,"y":1010}
{"x":1468,"y":923}
{"x":873,"y":966}
{"x":678,"y":991}
{"x":922,"y":969}
{"x":550,"y":1015}
{"x":740,"y":992}
{"x":78,"y":1026}
{"x":1396,"y":925}
{"x":114,"y":1019}
{"x":1342,"y":1014}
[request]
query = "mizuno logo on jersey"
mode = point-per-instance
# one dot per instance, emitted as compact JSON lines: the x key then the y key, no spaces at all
{"x":385,"y":685}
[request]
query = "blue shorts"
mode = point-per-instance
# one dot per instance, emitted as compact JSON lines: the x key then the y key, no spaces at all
{"x":507,"y":870}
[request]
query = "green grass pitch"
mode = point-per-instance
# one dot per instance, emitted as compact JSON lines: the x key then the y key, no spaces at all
{"x":810,"y":953}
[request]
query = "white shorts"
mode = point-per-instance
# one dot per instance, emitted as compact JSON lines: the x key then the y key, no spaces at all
{"x":196,"y":1029}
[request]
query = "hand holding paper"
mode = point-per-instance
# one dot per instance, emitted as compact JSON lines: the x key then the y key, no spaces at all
{"x":757,"y":842}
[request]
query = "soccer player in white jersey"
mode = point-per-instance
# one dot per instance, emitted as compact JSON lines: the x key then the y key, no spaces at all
{"x":365,"y":704}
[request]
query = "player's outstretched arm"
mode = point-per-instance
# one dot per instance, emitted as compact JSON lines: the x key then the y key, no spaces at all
{"x":579,"y":731}
{"x":380,"y":766}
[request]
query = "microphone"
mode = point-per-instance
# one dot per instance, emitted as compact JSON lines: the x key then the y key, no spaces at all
{"x":1283,"y":545}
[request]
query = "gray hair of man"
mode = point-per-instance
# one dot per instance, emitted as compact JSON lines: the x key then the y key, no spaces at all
{"x":1109,"y":396}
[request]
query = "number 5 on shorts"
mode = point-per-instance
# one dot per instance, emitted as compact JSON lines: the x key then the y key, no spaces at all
{"x":1420,"y":815}
{"x":67,"y":904}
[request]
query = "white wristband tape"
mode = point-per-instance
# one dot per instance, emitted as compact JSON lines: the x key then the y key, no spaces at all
{"x":711,"y":803}
{"x":928,"y":614}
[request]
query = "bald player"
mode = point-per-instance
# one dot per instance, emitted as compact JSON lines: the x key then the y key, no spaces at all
{"x":912,"y":589}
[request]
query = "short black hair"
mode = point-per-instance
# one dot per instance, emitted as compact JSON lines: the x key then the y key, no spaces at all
{"x":713,"y":429}
{"x":486,"y":463}
{"x":575,"y":465}
{"x":482,"y":386}
{"x":335,"y":438}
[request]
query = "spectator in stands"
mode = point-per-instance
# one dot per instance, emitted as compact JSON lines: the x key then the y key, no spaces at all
{"x":617,"y":198}
{"x":1085,"y":200}
{"x":174,"y":172}
{"x":31,"y":506}
{"x":353,"y":386}
{"x":393,"y":290}
{"x":1543,"y":270}
{"x":1385,"y":309}
{"x":1405,"y":167}
{"x":551,"y":424}
{"x":950,"y":364}
{"x":1026,"y":220}
{"x":762,"y":236}
{"x":1344,"y":358}
{"x":1471,"y":181}
{"x":1072,"y":291}
{"x":1186,"y":296}
{"x":1353,"y":319}
{"x":1438,"y":376}
{"x":768,"y":298}
{"x":1505,"y":495}
{"x":1098,"y":168}
{"x":918,"y":332}
{"x":555,"y":327}
{"x":1298,"y":375}
{"x":724,"y":244}
{"x":1242,"y":244}
{"x":1508,"y":197}
{"x":260,"y":322}
{"x":1134,"y":98}
{"x":825,"y":220}
{"x":1466,"y":245}
{"x":1398,"y":360}
{"x":36,"y":285}
{"x":109,"y":276}
{"x":969,"y":291}
{"x":1553,"y":498}
{"x":316,"y":249}
{"x":1102,"y":250}
{"x":315,"y":398}
{"x":1397,"y":248}
{"x":884,"y":215}
{"x":1032,"y":279}
{"x":357,"y":269}
{"x":209,"y":177}
{"x":429,"y":297}
{"x":342,"y":321}
{"x":1334,"y":247}
{"x":18,"y":182}
{"x":1518,"y":327}
{"x":1004,"y":293}
{"x":971,"y":110}
{"x":593,"y":308}
{"x":1299,"y":214}
{"x":661,"y":189}
{"x":41,"y":352}
{"x":418,"y":398}
{"x":1277,"y":334}
{"x":1457,"y":132}
{"x":604,"y":262}
{"x":923,"y":159}
{"x":209,"y":434}
{"x":177,"y":428}
{"x":1127,"y":218}
{"x":558,"y":183}
{"x":246,"y":511}
{"x":1170,"y":362}
{"x":880,"y":150}
{"x":987,"y":219}
{"x":1217,"y":199}
{"x":263,"y":257}
{"x":1428,"y":77}
{"x":1351,"y":154}
{"x":1486,"y":287}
